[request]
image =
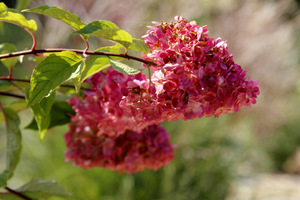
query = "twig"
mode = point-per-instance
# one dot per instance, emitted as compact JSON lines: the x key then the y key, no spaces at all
{"x":78,"y":51}
{"x":11,"y":95}
{"x":28,"y":81}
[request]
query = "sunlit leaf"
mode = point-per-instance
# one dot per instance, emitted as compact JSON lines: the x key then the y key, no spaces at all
{"x":123,"y":68}
{"x":139,"y":45}
{"x":52,"y":72}
{"x":16,"y":18}
{"x":60,"y":14}
{"x":8,"y":48}
{"x":107,"y":30}
{"x":14,"y":139}
{"x":95,"y":63}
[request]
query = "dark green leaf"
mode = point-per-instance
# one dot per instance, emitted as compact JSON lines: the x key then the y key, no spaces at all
{"x":14,"y":139}
{"x":41,"y":113}
{"x":52,"y":72}
{"x":8,"y":48}
{"x":123,"y":68}
{"x":95,"y":63}
{"x":16,"y":18}
{"x":59,"y":115}
{"x":4,"y":178}
{"x":107,"y":30}
{"x":60,"y":14}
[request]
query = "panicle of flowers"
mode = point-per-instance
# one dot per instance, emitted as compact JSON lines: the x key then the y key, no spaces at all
{"x":103,"y":135}
{"x":130,"y":152}
{"x":195,"y":77}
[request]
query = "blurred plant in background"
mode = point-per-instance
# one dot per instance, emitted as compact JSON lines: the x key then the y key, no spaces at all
{"x":212,"y":153}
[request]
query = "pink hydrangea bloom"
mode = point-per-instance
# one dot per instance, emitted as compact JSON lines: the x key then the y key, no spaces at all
{"x":130,"y":152}
{"x":195,"y":77}
{"x":103,"y":135}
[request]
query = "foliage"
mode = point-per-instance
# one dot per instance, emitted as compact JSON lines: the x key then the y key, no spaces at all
{"x":194,"y":76}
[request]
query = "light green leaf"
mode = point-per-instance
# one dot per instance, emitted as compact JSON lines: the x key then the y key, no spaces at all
{"x":14,"y":139}
{"x":16,"y":18}
{"x":60,"y":14}
{"x":8,"y":48}
{"x":107,"y":30}
{"x":38,"y":189}
{"x":123,"y":68}
{"x":96,"y":63}
{"x":52,"y":72}
{"x":41,"y":113}
{"x":17,"y":106}
{"x":139,"y":45}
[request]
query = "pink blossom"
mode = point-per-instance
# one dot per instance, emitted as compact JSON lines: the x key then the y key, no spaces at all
{"x":129,"y":152}
{"x":102,"y":134}
{"x":195,"y":77}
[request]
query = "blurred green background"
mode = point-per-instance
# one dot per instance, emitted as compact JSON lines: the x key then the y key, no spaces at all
{"x":253,"y":154}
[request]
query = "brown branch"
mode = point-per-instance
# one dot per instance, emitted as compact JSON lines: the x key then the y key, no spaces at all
{"x":11,"y":95}
{"x":78,"y":51}
{"x":28,"y":81}
{"x":17,"y":193}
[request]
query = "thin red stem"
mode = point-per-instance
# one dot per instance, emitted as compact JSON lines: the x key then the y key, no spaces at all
{"x":78,"y":51}
{"x":86,"y":48}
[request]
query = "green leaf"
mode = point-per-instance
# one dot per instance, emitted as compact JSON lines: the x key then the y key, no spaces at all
{"x":96,"y":63}
{"x":59,"y":115}
{"x":14,"y":139}
{"x":8,"y":48}
{"x":16,"y":18}
{"x":139,"y":45}
{"x":37,"y":189}
{"x":41,"y":113}
{"x":52,"y":72}
{"x":107,"y":30}
{"x":17,"y":106}
{"x":60,"y":14}
{"x":22,"y":4}
{"x":4,"y":178}
{"x":123,"y":68}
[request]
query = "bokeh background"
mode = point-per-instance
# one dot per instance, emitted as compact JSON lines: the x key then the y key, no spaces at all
{"x":250,"y":155}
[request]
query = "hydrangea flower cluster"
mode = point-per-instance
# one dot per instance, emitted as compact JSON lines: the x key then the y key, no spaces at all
{"x":195,"y":77}
{"x":116,"y":124}
{"x":102,"y":134}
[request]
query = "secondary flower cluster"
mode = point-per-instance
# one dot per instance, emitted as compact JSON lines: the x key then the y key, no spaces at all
{"x":103,"y":135}
{"x":116,"y":124}
{"x":195,"y":77}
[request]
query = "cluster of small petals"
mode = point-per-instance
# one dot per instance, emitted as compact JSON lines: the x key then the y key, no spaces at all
{"x":129,"y":152}
{"x":102,"y":134}
{"x":195,"y":77}
{"x":100,"y":107}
